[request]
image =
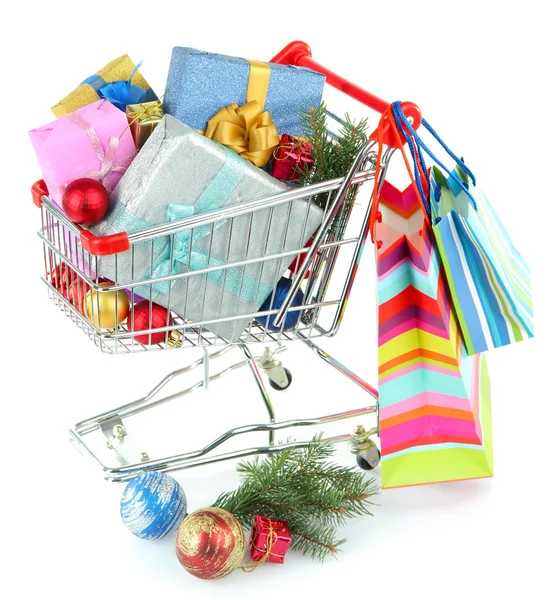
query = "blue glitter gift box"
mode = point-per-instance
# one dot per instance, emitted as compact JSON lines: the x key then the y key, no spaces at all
{"x":202,"y":83}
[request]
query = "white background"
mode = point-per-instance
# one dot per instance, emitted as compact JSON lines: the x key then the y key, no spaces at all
{"x":482,"y":73}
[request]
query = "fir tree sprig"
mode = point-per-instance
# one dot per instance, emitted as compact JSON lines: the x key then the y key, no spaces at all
{"x":333,"y":157}
{"x":303,"y":487}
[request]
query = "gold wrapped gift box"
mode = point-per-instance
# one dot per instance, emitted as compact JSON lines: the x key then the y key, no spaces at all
{"x":143,"y":118}
{"x":119,"y":69}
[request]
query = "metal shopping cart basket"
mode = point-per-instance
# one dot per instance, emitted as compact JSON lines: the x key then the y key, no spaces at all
{"x":72,"y":266}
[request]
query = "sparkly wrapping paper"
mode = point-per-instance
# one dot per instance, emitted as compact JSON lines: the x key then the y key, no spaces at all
{"x":202,"y":83}
{"x":66,"y":152}
{"x":179,"y":167}
{"x":120,"y":69}
{"x":143,"y":118}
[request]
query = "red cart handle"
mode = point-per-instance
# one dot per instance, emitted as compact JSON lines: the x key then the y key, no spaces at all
{"x":299,"y":54}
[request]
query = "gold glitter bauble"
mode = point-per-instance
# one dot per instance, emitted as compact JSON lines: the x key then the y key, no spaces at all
{"x":210,"y":543}
{"x":106,"y":309}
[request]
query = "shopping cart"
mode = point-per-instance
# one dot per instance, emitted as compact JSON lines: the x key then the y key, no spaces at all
{"x":324,"y":270}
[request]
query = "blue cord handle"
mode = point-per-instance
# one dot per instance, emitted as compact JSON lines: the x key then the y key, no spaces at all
{"x":401,"y":118}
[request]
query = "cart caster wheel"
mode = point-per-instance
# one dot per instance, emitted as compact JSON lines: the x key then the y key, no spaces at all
{"x":369,"y":459}
{"x":277,"y":387}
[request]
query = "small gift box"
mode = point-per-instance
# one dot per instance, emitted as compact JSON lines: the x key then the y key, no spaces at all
{"x":93,"y":141}
{"x":143,"y":118}
{"x":292,"y":158}
{"x":178,"y":174}
{"x":270,"y":540}
{"x":200,"y":84}
{"x":118,"y":77}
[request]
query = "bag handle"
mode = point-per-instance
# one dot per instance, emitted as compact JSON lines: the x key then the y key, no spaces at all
{"x":407,"y":129}
{"x":417,"y":175}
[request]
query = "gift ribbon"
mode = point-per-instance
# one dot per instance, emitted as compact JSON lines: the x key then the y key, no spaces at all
{"x":119,"y":93}
{"x":184,"y":254}
{"x":248,"y":130}
{"x":108,"y":164}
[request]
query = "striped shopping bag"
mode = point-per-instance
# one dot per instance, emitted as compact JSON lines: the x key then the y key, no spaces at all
{"x":435,"y":419}
{"x":489,"y":281}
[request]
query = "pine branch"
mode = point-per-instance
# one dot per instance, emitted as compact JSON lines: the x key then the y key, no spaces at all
{"x":333,"y":157}
{"x":303,"y":487}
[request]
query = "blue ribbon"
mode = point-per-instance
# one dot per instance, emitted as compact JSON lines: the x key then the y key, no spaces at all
{"x":120,"y":93}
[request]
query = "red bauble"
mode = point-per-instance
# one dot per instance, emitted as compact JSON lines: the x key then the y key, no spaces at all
{"x":210,"y":543}
{"x":142,"y":318}
{"x":68,"y":283}
{"x":298,"y":262}
{"x":85,"y":201}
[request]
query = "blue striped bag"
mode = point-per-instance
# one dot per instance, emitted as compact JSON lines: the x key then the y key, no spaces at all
{"x":489,"y":281}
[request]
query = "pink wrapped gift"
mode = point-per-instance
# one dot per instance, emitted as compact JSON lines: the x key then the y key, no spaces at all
{"x":94,"y":141}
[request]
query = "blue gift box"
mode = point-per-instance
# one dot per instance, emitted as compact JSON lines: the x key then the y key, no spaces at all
{"x":202,"y":83}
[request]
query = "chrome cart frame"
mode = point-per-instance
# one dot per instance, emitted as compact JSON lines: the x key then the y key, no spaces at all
{"x":74,"y":265}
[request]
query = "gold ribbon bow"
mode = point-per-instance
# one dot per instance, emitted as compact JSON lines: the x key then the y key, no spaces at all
{"x":248,"y":130}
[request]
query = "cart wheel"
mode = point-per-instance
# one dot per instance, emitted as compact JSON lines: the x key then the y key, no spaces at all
{"x":369,"y":459}
{"x":274,"y":385}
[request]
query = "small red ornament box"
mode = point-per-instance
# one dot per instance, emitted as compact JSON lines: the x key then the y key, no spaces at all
{"x":264,"y":532}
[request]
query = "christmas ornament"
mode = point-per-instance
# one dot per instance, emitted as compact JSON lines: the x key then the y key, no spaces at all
{"x":68,"y":283}
{"x":210,"y":543}
{"x":85,"y":201}
{"x":270,"y":540}
{"x":293,"y":158}
{"x":277,"y":297}
{"x":148,"y":316}
{"x":302,"y":487}
{"x":297,"y":262}
{"x":153,"y":505}
{"x":106,"y":309}
{"x":368,"y":455}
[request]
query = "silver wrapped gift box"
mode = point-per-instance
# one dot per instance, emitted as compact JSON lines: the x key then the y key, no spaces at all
{"x":178,"y":174}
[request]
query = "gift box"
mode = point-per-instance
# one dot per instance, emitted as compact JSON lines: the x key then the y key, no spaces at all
{"x":143,"y":118}
{"x":95,"y":88}
{"x":292,"y":158}
{"x":270,"y":540}
{"x":94,"y":141}
{"x":180,"y":173}
{"x":202,"y":83}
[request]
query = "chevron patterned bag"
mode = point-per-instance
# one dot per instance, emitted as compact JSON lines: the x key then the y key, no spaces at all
{"x":435,"y":420}
{"x":489,"y":280}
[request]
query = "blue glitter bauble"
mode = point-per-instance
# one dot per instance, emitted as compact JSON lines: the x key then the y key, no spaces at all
{"x":292,"y":317}
{"x":153,"y":505}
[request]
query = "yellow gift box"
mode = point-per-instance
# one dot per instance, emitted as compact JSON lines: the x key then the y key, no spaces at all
{"x":119,"y":69}
{"x":143,"y":118}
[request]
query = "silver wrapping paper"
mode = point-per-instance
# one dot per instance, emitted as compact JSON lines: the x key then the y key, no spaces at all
{"x":178,"y":166}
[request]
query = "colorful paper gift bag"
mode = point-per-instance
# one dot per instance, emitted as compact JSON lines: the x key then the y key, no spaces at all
{"x":488,"y":278}
{"x":434,"y":398}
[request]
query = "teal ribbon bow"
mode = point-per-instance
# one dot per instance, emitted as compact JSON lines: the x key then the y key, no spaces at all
{"x":186,"y":254}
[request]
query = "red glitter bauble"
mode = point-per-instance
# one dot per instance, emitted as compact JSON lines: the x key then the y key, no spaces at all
{"x":68,"y":283}
{"x":85,"y":201}
{"x":142,"y":318}
{"x":210,"y":543}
